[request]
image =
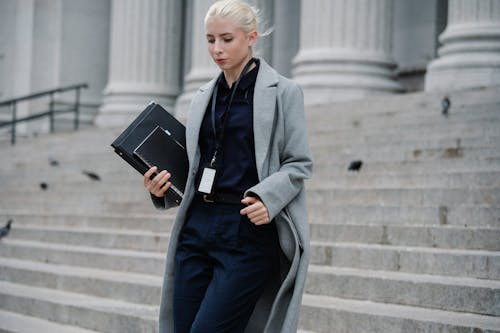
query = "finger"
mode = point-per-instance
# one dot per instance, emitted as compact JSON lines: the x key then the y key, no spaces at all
{"x":148,"y":174}
{"x":162,"y":180}
{"x":155,"y":183}
{"x":247,"y":201}
{"x":256,"y":212}
{"x":259,"y":220}
{"x":248,"y":210}
{"x":256,"y":209}
{"x":160,"y":191}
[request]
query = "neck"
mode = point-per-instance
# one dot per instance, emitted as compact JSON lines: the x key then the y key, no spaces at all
{"x":232,"y":75}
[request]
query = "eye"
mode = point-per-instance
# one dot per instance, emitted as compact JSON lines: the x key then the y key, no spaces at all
{"x":210,"y":40}
{"x":228,"y":40}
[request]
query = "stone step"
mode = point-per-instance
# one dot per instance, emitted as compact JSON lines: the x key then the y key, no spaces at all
{"x":157,"y":221}
{"x":362,"y":180}
{"x":11,"y":322}
{"x":485,"y":113}
{"x":337,"y":167}
{"x":140,"y":240}
{"x":449,"y":197}
{"x":417,"y":149}
{"x":326,"y":314}
{"x":417,"y":103}
{"x":447,"y":237}
{"x":438,"y":129}
{"x":141,"y":262}
{"x":420,"y":260}
{"x":73,"y":194}
{"x":428,"y":291}
{"x":90,"y":312}
{"x":359,"y":144}
{"x":128,"y":287}
{"x":411,"y":139}
{"x":79,"y":208}
{"x":418,"y":155}
{"x":474,"y":216}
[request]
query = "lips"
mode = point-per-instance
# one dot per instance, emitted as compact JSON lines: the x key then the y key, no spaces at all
{"x":220,"y":61}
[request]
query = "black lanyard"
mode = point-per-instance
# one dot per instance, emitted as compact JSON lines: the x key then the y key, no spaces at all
{"x":225,"y":115}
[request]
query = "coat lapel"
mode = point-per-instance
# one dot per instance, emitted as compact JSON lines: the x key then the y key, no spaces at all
{"x":264,"y":109}
{"x":195,"y":116}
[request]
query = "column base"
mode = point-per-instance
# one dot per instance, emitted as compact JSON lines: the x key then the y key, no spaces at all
{"x":457,"y":72}
{"x":120,"y":109}
{"x":344,"y":76}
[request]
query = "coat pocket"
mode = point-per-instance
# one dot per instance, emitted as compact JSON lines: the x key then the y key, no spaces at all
{"x":294,"y":231}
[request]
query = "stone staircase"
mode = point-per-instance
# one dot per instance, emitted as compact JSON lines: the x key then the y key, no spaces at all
{"x":409,"y":243}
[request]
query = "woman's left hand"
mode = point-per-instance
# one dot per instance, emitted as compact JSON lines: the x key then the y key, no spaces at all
{"x":256,"y":211}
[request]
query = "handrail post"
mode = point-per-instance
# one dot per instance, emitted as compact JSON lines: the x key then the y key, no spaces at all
{"x":14,"y":121}
{"x":51,"y":112}
{"x":77,"y":107}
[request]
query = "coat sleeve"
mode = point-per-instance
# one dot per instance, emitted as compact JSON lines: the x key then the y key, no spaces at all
{"x":280,"y":187}
{"x":162,"y":203}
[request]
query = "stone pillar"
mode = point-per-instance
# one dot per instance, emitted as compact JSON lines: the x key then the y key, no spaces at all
{"x":264,"y":46}
{"x":345,"y":50}
{"x":202,"y":67}
{"x":144,"y":58}
{"x":286,"y":31}
{"x":470,"y":51}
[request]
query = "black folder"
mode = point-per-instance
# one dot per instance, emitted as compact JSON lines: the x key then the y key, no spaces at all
{"x":156,"y":138}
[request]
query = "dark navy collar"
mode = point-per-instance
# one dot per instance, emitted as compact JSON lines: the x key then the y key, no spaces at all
{"x":246,"y":81}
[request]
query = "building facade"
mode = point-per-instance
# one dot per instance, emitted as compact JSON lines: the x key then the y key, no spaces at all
{"x":133,"y":51}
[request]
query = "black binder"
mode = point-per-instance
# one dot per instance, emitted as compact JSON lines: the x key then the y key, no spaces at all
{"x":156,"y":137}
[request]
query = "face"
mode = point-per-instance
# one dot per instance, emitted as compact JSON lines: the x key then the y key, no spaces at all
{"x":228,"y":44}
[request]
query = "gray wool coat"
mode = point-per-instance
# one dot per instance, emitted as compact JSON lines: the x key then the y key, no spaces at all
{"x":283,"y":163}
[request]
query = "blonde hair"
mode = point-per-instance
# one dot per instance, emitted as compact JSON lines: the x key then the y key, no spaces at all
{"x":246,"y":16}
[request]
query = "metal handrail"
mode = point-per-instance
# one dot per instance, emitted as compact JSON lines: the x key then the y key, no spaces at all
{"x":49,"y":113}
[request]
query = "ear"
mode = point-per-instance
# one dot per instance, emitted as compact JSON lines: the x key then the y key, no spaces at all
{"x":252,"y":37}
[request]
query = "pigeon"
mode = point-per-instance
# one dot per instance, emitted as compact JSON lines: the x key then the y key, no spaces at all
{"x":53,"y":162}
{"x":44,"y":186}
{"x":5,"y":230}
{"x":92,"y":175}
{"x":445,"y":106}
{"x":355,"y":165}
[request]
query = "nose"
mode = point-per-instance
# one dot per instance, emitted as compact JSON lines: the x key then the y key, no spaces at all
{"x":217,"y":47}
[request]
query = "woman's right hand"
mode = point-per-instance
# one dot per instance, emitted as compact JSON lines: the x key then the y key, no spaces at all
{"x":159,"y":184}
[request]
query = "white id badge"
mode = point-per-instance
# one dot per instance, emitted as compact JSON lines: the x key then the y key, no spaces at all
{"x":207,"y":181}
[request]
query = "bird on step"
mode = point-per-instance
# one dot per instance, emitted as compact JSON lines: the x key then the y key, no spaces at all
{"x":355,"y":165}
{"x":445,"y":106}
{"x":5,"y":230}
{"x":92,"y":175}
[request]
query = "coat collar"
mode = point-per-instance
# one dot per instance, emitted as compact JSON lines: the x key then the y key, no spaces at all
{"x":264,"y":108}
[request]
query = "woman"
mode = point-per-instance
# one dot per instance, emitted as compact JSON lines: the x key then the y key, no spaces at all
{"x":238,"y":251}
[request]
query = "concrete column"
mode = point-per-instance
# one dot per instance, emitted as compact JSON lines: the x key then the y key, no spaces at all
{"x":345,"y":50}
{"x":202,"y":67}
{"x":144,"y":58}
{"x":285,"y":35}
{"x":470,"y":52}
{"x":264,"y":46}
